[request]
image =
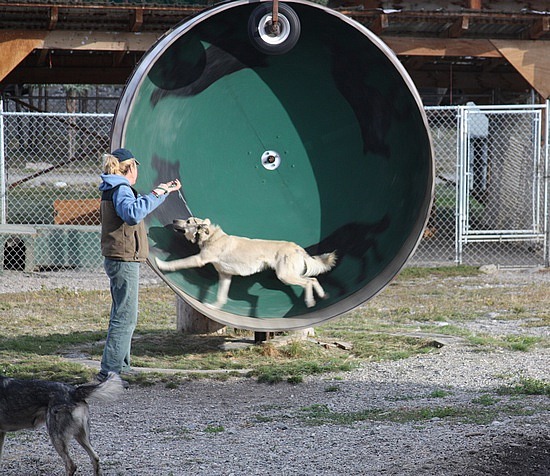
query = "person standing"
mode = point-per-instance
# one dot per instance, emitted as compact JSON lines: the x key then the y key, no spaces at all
{"x":124,"y":246}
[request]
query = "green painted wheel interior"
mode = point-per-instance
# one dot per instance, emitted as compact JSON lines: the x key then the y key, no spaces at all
{"x":355,"y":175}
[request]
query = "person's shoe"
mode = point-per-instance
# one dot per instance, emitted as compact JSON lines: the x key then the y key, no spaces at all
{"x":101,"y":377}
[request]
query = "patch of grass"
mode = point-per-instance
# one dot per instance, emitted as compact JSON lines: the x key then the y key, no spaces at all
{"x":438,"y":393}
{"x":39,"y":328}
{"x":33,"y":366}
{"x":295,"y":379}
{"x":486,"y":400}
{"x":377,"y":345}
{"x":517,"y":343}
{"x":291,"y":370}
{"x":320,"y":414}
{"x":521,"y":343}
{"x":526,"y":386}
{"x":443,"y":271}
{"x":214,"y":429}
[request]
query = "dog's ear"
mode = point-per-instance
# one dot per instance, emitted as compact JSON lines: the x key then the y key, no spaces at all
{"x":203,"y":228}
{"x":207,"y":221}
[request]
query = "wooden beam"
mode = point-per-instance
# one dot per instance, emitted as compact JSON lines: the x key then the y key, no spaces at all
{"x":381,"y":22}
{"x":539,"y":28}
{"x":15,"y":47}
{"x":474,"y":4}
{"x":442,"y":47}
{"x":99,"y":40}
{"x":54,"y":17}
{"x":531,"y":59}
{"x":136,"y":20}
{"x":42,"y":57}
{"x":83,"y":40}
{"x":459,"y":27}
{"x":128,"y":41}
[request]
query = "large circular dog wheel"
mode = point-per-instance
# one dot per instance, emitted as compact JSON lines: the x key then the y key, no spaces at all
{"x":326,"y":145}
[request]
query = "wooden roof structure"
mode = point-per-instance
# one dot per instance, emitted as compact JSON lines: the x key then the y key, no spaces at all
{"x":474,"y":46}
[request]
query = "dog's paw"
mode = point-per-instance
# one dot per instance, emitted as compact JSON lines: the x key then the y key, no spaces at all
{"x":310,"y":303}
{"x":163,"y":265}
{"x":159,"y":263}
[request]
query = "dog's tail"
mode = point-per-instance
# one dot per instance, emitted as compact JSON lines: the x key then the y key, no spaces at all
{"x":107,"y":391}
{"x":319,"y":264}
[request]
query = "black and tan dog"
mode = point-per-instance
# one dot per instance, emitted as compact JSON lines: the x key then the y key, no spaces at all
{"x":62,"y":407}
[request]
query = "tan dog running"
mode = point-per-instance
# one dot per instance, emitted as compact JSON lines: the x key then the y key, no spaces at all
{"x":240,"y":256}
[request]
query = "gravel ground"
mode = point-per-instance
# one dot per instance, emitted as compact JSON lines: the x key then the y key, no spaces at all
{"x":240,"y":427}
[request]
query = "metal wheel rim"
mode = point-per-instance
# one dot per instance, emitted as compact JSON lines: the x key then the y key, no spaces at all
{"x":270,"y":38}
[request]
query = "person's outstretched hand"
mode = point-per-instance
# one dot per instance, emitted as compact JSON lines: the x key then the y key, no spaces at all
{"x":172,"y":186}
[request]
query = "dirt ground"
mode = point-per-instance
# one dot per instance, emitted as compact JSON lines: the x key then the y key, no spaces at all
{"x":435,"y":414}
{"x":332,"y":425}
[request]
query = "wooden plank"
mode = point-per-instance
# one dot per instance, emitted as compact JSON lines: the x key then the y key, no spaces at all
{"x":441,"y":47}
{"x":99,"y":40}
{"x":77,"y":212}
{"x":531,"y":59}
{"x":128,"y":41}
{"x":15,"y":47}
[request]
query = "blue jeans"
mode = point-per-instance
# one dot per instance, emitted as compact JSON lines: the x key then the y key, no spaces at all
{"x":124,"y":283}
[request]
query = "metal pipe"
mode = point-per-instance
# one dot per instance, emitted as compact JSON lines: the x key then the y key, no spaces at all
{"x":275,"y":13}
{"x":3,"y":205}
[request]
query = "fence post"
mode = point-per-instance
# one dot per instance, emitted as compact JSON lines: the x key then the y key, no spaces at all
{"x":461,"y":182}
{"x":546,"y":178}
{"x":3,"y":205}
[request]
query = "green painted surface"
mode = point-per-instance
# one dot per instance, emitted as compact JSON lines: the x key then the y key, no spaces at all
{"x":356,"y":159}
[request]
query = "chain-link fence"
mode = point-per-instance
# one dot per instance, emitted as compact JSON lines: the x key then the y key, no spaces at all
{"x":49,"y":205}
{"x":68,"y":98}
{"x":437,"y":246}
{"x":491,"y":191}
{"x":490,"y":204}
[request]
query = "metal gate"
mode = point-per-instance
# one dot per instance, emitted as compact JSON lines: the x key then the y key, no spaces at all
{"x":502,"y":191}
